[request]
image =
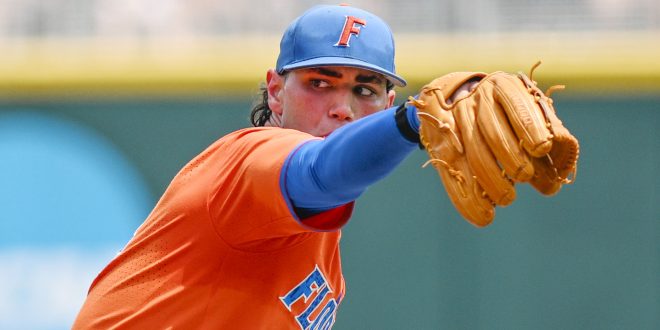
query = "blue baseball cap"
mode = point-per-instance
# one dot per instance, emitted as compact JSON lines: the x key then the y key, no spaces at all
{"x":329,"y":35}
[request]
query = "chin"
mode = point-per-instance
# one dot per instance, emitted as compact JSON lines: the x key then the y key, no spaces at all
{"x":319,"y":134}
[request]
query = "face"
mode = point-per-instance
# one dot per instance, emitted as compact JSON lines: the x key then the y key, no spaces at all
{"x":320,"y":100}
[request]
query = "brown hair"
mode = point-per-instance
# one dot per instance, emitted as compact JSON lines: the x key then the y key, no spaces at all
{"x":261,"y":111}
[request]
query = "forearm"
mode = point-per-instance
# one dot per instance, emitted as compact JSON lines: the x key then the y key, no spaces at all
{"x":323,"y":174}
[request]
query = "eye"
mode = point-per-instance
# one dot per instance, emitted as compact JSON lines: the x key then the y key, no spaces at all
{"x":364,"y":91}
{"x":318,"y":83}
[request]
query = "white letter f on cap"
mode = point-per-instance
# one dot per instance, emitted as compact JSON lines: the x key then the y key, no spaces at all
{"x":351,"y":27}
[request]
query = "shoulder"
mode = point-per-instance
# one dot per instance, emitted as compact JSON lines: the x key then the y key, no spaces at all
{"x":272,"y":137}
{"x":261,"y":132}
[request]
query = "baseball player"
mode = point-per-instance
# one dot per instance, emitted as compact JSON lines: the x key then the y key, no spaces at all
{"x":247,"y":234}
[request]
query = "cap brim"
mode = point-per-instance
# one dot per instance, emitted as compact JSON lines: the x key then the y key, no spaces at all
{"x":343,"y":61}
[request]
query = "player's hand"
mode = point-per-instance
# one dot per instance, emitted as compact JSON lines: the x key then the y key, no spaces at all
{"x":463,"y":91}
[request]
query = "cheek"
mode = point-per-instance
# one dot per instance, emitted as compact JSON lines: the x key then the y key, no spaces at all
{"x":303,"y":110}
{"x":371,"y":107}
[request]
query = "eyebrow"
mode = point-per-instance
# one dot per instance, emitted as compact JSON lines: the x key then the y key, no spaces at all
{"x":328,"y":72}
{"x":369,"y":79}
{"x":360,"y":78}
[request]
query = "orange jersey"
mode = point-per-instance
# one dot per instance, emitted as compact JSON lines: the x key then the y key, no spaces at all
{"x":223,"y":250}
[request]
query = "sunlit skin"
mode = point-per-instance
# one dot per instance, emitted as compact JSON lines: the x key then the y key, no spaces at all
{"x":320,"y":100}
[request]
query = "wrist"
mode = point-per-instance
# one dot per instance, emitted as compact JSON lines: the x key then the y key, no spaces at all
{"x":407,"y":122}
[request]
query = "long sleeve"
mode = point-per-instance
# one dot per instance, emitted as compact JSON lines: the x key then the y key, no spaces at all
{"x":323,"y":174}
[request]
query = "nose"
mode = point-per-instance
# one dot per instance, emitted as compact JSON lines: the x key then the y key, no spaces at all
{"x":342,"y":111}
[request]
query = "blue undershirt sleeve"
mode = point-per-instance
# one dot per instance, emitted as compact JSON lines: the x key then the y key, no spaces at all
{"x":323,"y":174}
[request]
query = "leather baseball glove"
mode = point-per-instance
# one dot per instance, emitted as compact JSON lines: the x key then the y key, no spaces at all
{"x":503,"y":132}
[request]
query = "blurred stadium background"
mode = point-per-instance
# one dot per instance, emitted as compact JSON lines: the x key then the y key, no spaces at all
{"x":102,"y":101}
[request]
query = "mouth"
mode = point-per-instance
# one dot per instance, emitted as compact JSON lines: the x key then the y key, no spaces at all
{"x":326,"y":134}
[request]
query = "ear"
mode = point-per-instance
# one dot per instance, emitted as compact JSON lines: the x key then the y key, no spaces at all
{"x":391,"y":95}
{"x":275,"y":85}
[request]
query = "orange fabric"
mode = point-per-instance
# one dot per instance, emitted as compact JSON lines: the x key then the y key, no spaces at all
{"x":221,"y":249}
